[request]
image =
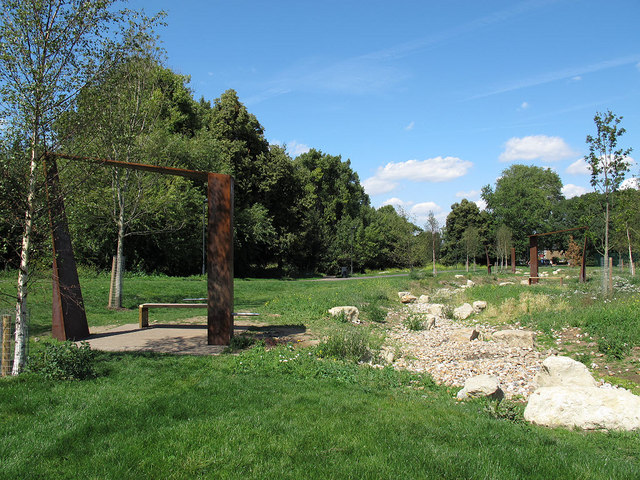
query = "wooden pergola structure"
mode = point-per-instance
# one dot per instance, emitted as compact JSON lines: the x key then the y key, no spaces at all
{"x":533,"y":254}
{"x":69,"y":320}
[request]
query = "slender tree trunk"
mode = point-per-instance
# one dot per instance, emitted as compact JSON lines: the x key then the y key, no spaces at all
{"x":20,"y":351}
{"x":632,"y":267}
{"x":467,"y":263}
{"x":433,"y":252}
{"x":605,"y":265}
{"x":117,"y":297}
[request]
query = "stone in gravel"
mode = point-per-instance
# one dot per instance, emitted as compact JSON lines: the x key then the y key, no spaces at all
{"x":408,"y":298}
{"x":524,"y":282}
{"x":481,"y":386}
{"x":588,"y":408}
{"x":350,"y":313}
{"x":387,"y":355}
{"x":436,"y":309}
{"x":430,"y":322}
{"x":464,"y":335}
{"x":516,"y":338}
{"x":502,"y":284}
{"x":479,"y":305}
{"x":423,"y":299}
{"x":563,"y":372}
{"x":402,"y":294}
{"x":463,"y":312}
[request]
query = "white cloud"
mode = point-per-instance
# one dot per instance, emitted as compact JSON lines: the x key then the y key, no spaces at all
{"x":436,"y":169}
{"x":524,"y":105}
{"x":410,"y":126}
{"x":468,"y":195}
{"x":396,"y":202}
{"x":632,"y":182}
{"x":579,"y":167}
{"x":548,"y":149}
{"x":570,"y":190}
{"x":577,"y":78}
{"x":481,"y":204}
{"x":420,"y":212}
{"x":377,"y":186}
{"x":294,"y":148}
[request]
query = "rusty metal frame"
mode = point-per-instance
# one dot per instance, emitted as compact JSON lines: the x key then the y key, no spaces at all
{"x":220,"y":190}
{"x":533,"y":254}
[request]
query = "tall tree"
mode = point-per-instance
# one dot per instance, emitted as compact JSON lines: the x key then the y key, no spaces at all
{"x":472,"y":242}
{"x":433,"y":227}
{"x":609,"y":165}
{"x":462,"y":216}
{"x":49,"y":49}
{"x":503,"y":243}
{"x":524,"y":199}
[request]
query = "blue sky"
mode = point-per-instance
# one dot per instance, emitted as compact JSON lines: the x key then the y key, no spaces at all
{"x":430,"y":100}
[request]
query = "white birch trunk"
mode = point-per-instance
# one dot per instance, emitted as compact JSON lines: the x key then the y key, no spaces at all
{"x":20,"y":350}
{"x":632,"y":267}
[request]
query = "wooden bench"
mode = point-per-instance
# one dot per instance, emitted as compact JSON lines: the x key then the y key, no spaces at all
{"x":143,"y":310}
{"x":546,"y":278}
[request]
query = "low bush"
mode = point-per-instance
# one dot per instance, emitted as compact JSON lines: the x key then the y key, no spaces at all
{"x":414,"y":322}
{"x":63,"y":361}
{"x":350,"y":344}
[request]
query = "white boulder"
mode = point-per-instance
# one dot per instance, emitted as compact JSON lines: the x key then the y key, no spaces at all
{"x":588,"y":408}
{"x":516,"y":338}
{"x":408,"y":298}
{"x":481,"y":386}
{"x":436,"y":309}
{"x":479,"y":305}
{"x":464,"y":335}
{"x":471,"y":283}
{"x":402,"y":294}
{"x":563,"y":372}
{"x":423,"y":299}
{"x":459,"y":276}
{"x":463,"y":311}
{"x":350,"y":313}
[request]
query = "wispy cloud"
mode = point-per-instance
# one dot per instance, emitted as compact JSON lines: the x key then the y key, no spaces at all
{"x":438,"y":169}
{"x":374,"y":72}
{"x":410,"y":126}
{"x":579,"y":167}
{"x":567,"y":73}
{"x":470,"y":195}
{"x":536,"y":147}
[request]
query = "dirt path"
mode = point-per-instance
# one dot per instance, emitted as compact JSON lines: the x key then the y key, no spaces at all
{"x":189,"y":337}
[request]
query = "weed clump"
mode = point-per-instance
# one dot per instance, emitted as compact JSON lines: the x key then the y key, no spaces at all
{"x":414,"y":322}
{"x":63,"y":361}
{"x":350,"y":345}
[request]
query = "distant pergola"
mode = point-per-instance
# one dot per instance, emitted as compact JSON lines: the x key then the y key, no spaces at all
{"x":69,"y":320}
{"x":533,"y":254}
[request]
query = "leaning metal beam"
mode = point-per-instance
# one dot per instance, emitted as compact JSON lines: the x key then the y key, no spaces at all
{"x":69,"y":320}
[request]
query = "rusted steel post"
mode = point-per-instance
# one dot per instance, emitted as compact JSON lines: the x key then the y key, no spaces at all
{"x":583,"y":261}
{"x":513,"y":260}
{"x":220,"y":259}
{"x":533,"y":259}
{"x":69,"y":320}
{"x":6,"y":345}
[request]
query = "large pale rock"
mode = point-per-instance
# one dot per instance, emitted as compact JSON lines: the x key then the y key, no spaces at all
{"x":516,"y":338}
{"x":436,"y":309}
{"x":588,"y":408}
{"x":524,"y":282}
{"x":464,"y":335}
{"x":481,"y":386}
{"x":563,"y":372}
{"x":423,"y":299}
{"x":387,"y":355}
{"x":459,"y":276}
{"x":430,"y":322}
{"x":504,"y":284}
{"x":350,"y":313}
{"x":408,"y":298}
{"x":463,"y":311}
{"x":402,"y":294}
{"x":471,"y":283}
{"x":479,"y":305}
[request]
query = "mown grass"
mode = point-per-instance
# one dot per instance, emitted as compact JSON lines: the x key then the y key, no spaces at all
{"x":256,"y":415}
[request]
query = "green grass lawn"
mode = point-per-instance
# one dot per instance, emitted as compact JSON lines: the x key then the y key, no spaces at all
{"x":286,"y":413}
{"x":161,"y":416}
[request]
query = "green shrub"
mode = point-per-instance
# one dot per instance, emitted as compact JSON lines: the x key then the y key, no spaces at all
{"x":63,"y":361}
{"x":374,"y":312}
{"x":240,"y":342}
{"x":414,"y":322}
{"x":351,"y":345}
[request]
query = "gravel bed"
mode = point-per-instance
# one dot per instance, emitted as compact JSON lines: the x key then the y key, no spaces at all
{"x":452,"y":362}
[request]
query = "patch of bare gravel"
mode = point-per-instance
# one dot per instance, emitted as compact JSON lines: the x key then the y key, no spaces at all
{"x":452,"y":362}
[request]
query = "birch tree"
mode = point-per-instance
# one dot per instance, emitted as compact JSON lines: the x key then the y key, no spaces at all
{"x":49,"y":49}
{"x":433,"y":227}
{"x":608,"y":165}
